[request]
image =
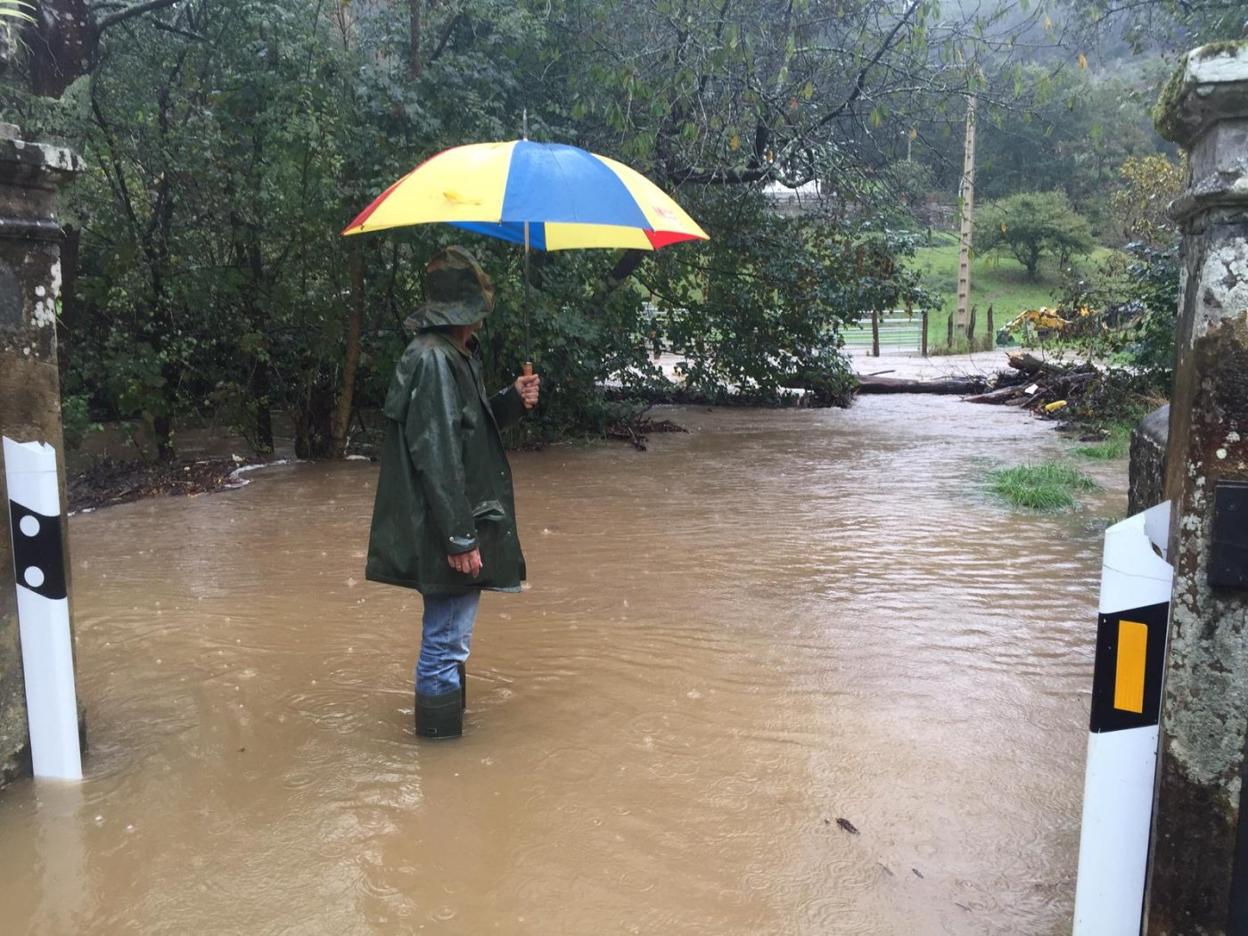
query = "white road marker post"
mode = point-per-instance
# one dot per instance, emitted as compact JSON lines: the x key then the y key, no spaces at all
{"x":1123,"y":734}
{"x":43,"y":608}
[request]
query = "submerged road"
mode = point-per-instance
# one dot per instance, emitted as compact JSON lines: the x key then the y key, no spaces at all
{"x":731,"y":642}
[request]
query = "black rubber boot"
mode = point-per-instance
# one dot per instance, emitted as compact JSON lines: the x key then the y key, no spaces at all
{"x":440,"y":716}
{"x":463,"y":685}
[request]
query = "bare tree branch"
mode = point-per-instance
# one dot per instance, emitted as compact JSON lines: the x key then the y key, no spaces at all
{"x":758,"y":170}
{"x":138,"y":9}
{"x":178,"y":31}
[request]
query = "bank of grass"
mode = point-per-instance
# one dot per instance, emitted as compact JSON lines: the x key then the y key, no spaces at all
{"x":996,"y":280}
{"x":1050,"y":486}
{"x":1117,"y":444}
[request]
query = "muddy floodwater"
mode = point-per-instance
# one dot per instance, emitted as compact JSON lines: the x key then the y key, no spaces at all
{"x":732,"y":641}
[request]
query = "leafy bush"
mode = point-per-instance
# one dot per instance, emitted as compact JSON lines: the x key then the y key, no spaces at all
{"x":1134,"y":300}
{"x":768,"y":298}
{"x":1140,"y":205}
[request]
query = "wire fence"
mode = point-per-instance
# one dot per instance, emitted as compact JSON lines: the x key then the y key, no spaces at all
{"x":899,"y":333}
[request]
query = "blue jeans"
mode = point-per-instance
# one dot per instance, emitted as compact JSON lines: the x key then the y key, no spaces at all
{"x":446,"y":632}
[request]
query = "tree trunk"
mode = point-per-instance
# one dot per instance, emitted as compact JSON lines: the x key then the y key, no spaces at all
{"x":355,"y":316}
{"x":414,"y":64}
{"x":67,"y":324}
{"x":162,"y":426}
{"x":1032,"y":263}
{"x":948,"y":385}
{"x":258,"y":389}
{"x":313,"y":421}
{"x":875,"y":332}
{"x":62,"y":43}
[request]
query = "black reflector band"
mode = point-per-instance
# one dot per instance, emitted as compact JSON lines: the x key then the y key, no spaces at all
{"x":1130,"y":656}
{"x":38,"y":556}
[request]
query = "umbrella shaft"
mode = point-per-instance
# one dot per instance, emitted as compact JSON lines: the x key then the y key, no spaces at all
{"x":527,"y":347}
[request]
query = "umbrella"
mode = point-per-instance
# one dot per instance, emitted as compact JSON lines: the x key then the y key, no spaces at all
{"x":562,"y":196}
{"x":548,"y":196}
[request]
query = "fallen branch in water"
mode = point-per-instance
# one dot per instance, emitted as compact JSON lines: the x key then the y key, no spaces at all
{"x":947,"y":385}
{"x":636,"y":430}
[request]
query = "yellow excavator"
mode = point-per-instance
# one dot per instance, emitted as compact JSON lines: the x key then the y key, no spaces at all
{"x":1044,"y":323}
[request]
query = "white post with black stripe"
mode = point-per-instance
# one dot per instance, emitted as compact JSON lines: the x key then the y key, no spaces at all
{"x":1126,"y":709}
{"x":35,"y":523}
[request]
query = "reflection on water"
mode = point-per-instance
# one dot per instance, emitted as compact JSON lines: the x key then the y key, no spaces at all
{"x":732,"y":640}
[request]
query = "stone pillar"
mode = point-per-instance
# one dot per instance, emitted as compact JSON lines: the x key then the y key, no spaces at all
{"x":30,"y":392}
{"x":1147,"y":474}
{"x":1200,"y":839}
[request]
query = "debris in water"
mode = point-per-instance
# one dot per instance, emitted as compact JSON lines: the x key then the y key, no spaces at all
{"x":887,"y":869}
{"x":917,"y":873}
{"x":963,"y":906}
{"x":847,"y":826}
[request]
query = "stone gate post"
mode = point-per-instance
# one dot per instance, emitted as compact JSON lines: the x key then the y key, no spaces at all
{"x":30,"y":393}
{"x":1199,"y":873}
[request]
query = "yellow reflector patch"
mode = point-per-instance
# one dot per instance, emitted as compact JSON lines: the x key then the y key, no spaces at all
{"x":1129,"y":676}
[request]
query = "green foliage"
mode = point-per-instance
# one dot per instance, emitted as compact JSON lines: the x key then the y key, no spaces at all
{"x":1044,"y":125}
{"x":1134,"y":298}
{"x":1049,"y":486}
{"x":1140,"y":205}
{"x":228,"y":144}
{"x":16,"y":10}
{"x":912,"y":182}
{"x":1032,"y":225}
{"x":1117,"y":444}
{"x":1146,"y":24}
{"x":211,"y":277}
{"x":578,"y":336}
{"x":769,"y":297}
{"x":76,"y":420}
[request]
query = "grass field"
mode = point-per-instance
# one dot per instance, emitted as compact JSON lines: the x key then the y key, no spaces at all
{"x":996,"y":280}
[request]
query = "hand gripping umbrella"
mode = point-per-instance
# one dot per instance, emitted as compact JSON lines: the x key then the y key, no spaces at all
{"x":547,"y":196}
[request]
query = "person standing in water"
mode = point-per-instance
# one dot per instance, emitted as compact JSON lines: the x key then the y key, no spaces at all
{"x":444,"y":520}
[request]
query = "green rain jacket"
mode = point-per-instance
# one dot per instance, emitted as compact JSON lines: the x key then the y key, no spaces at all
{"x":445,"y":485}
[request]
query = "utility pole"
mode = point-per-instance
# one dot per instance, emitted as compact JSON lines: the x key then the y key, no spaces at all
{"x":30,"y":393}
{"x":1198,"y":881}
{"x":966,"y":198}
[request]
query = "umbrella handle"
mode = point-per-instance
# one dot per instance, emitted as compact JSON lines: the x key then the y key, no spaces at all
{"x":527,"y":370}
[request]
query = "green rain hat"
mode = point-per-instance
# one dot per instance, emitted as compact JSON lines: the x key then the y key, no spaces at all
{"x":457,"y":291}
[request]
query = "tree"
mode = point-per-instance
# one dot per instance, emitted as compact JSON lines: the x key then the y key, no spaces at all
{"x":1032,"y":225}
{"x":1169,"y":24}
{"x":1141,"y":205}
